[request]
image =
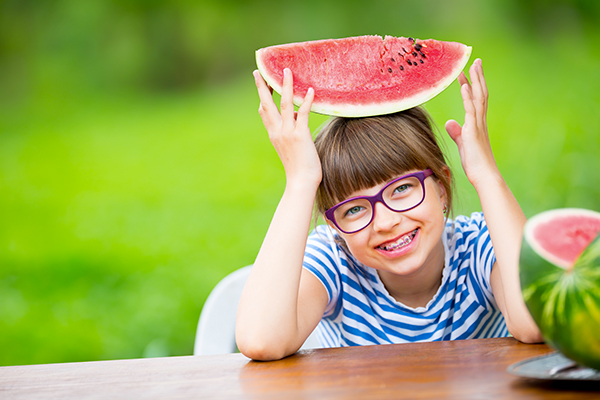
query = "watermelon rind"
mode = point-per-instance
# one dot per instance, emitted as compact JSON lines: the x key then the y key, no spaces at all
{"x":376,"y":108}
{"x":564,"y":300}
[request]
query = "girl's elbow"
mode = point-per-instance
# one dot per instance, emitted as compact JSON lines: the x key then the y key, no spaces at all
{"x":261,"y":353}
{"x":530,"y":338}
{"x":529,"y":335}
{"x":260,"y":349}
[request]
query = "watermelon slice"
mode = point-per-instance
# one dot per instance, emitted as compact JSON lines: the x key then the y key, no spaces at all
{"x":365,"y":75}
{"x":560,"y":279}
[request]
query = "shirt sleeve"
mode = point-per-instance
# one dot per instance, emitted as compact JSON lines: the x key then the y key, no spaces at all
{"x":322,"y":259}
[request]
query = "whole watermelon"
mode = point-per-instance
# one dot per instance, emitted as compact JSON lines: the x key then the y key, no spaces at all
{"x":560,"y":280}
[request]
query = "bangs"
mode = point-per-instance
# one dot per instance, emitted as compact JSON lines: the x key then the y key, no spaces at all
{"x":359,"y":153}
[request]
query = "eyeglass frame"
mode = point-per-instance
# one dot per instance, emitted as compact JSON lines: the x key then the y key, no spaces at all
{"x":378,"y":198}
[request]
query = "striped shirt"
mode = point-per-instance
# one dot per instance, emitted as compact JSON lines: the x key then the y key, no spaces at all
{"x":360,"y":310}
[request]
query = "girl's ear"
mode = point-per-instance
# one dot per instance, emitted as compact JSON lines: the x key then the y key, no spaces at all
{"x":443,"y":194}
{"x":446,"y":171}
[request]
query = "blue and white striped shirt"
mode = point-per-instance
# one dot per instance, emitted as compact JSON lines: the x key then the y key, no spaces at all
{"x":360,"y":310}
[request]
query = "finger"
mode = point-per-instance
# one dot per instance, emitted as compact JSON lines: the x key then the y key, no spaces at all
{"x":474,"y":75}
{"x":477,"y":93}
{"x":470,"y":111}
{"x":261,"y":85}
{"x":484,"y":91}
{"x":485,"y":94}
{"x":482,"y":79}
{"x":287,"y":95}
{"x":454,"y":130}
{"x":267,"y":108}
{"x":304,"y":110}
{"x":462,"y":79}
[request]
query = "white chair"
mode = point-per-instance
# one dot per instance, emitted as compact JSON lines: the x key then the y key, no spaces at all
{"x":216,"y":327}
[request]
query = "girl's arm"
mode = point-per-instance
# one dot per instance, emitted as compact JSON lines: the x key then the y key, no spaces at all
{"x":281,"y":302}
{"x":504,"y":217}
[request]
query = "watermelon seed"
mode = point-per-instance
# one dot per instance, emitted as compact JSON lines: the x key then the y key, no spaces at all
{"x":401,"y":68}
{"x":390,"y":70}
{"x":393,"y":59}
{"x":421,"y":61}
{"x":422,"y":55}
{"x":411,"y":39}
{"x":414,"y":53}
{"x":408,"y":61}
{"x":418,"y":47}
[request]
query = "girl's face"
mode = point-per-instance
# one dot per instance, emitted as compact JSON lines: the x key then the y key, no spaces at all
{"x":403,"y":243}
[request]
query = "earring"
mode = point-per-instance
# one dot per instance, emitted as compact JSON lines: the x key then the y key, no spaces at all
{"x":445,"y":210}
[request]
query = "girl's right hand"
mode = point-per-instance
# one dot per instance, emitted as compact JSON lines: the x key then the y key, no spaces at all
{"x":289,"y":132}
{"x":282,"y":303}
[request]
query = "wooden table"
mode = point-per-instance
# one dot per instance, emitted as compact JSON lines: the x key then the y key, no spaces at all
{"x":457,"y":370}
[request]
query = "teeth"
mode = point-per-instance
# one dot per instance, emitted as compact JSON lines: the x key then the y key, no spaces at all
{"x":403,"y":241}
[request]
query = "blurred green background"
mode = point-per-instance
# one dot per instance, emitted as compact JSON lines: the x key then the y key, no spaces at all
{"x":135,"y":172}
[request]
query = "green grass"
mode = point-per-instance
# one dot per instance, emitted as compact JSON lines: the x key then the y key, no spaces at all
{"x":119,"y":213}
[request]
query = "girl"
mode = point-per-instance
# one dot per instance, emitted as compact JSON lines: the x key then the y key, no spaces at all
{"x":388,"y":267}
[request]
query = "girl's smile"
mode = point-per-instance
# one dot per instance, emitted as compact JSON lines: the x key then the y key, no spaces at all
{"x":400,"y":245}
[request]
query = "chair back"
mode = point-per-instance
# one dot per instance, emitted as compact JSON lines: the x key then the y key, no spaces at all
{"x":216,"y":327}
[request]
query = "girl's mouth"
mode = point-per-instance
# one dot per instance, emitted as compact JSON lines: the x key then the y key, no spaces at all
{"x":403,"y":241}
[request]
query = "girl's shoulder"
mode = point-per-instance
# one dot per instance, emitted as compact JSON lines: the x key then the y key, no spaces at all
{"x":322,"y":234}
{"x":324,"y":229}
{"x":324,"y":239}
{"x":326,"y":249}
{"x":475,"y":220}
{"x":465,"y":230}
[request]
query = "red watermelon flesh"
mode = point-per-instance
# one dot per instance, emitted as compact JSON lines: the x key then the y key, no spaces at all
{"x":365,"y":75}
{"x":562,"y":237}
{"x":575,"y":234}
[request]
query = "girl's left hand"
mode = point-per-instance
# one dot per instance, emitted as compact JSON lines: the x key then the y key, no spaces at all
{"x":472,"y":138}
{"x":503,"y":215}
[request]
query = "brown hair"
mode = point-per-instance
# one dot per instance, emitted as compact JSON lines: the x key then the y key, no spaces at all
{"x":359,"y":153}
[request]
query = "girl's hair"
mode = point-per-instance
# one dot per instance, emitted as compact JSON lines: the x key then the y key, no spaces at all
{"x":359,"y":153}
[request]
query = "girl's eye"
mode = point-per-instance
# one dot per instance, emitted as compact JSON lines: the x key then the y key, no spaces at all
{"x":402,"y":188}
{"x":353,"y":211}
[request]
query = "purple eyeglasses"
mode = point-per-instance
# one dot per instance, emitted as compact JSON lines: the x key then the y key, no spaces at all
{"x":401,"y":194}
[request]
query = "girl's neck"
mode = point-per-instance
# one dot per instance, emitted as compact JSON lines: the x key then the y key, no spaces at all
{"x":418,"y":289}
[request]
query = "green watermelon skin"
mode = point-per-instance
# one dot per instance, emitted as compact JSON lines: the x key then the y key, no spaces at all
{"x":565,"y":304}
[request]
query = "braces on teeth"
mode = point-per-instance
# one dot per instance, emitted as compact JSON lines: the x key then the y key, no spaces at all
{"x":402,"y":242}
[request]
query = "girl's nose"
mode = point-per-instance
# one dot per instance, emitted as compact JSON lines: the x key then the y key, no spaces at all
{"x":385,"y":219}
